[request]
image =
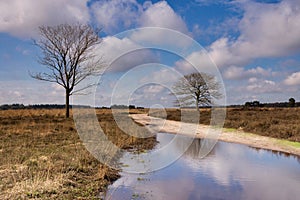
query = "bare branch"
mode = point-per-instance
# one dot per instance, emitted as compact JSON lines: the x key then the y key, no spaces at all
{"x":196,"y":88}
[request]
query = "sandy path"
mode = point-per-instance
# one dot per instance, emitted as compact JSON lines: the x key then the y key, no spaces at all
{"x":235,"y":136}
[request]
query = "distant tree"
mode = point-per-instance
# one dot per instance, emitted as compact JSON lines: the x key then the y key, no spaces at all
{"x":292,"y":102}
{"x":253,"y":104}
{"x":248,"y":104}
{"x":197,"y":88}
{"x":256,"y":103}
{"x":131,"y":106}
{"x":67,"y":52}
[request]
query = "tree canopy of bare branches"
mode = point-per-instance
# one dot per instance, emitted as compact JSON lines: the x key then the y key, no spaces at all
{"x":199,"y":89}
{"x":68,"y":53}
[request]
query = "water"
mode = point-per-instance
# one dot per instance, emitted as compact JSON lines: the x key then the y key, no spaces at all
{"x":230,"y":171}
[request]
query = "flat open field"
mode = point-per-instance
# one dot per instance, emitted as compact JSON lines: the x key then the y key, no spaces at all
{"x":42,"y":157}
{"x":282,"y":123}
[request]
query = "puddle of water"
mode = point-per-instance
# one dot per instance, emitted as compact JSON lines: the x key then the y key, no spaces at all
{"x":230,"y":171}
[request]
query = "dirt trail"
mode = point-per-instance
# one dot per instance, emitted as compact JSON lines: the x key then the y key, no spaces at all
{"x":227,"y":135}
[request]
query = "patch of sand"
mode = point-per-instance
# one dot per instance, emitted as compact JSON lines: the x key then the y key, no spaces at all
{"x":226,"y":135}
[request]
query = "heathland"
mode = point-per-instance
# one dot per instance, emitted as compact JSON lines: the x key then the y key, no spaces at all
{"x":42,"y":156}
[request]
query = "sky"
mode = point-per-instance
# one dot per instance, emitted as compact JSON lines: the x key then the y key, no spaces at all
{"x":253,"y":47}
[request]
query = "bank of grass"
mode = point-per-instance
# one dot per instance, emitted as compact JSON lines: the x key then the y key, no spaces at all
{"x":42,"y":157}
{"x":289,"y":143}
{"x":281,"y":123}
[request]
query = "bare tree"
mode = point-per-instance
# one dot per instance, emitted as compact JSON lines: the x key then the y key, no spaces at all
{"x":196,"y":88}
{"x":68,"y":53}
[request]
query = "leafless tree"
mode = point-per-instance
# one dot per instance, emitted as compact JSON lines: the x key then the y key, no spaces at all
{"x":68,"y":53}
{"x":196,"y":88}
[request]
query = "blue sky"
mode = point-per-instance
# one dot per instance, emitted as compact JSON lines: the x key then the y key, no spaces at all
{"x":254,"y":44}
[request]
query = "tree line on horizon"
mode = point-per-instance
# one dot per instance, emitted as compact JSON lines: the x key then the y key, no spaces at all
{"x":291,"y":103}
{"x":16,"y":106}
{"x":250,"y":104}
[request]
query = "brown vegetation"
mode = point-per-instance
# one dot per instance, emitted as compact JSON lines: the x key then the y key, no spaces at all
{"x":282,"y":123}
{"x":43,"y":157}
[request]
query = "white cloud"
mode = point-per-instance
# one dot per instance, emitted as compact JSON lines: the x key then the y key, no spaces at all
{"x":259,"y":70}
{"x":198,"y":61}
{"x":266,"y":30}
{"x":235,"y":73}
{"x":270,"y":29}
{"x":57,"y":90}
{"x":122,"y":14}
{"x":30,"y":92}
{"x":293,"y":79}
{"x":161,"y":75}
{"x":251,"y":83}
{"x":152,"y":94}
{"x":153,"y":89}
{"x":252,"y":80}
{"x":162,"y":38}
{"x":123,"y":54}
{"x":21,"y":18}
{"x":161,"y":14}
{"x":238,"y":73}
{"x":220,"y":52}
{"x":114,"y":46}
{"x":263,"y":86}
{"x":116,"y":15}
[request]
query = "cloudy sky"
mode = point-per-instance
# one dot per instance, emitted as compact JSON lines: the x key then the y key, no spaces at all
{"x":254,"y":45}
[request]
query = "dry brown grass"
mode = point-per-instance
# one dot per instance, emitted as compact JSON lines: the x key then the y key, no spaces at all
{"x":42,"y":157}
{"x":282,"y":123}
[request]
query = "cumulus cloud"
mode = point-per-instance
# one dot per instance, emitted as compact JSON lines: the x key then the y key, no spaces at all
{"x":221,"y":53}
{"x":124,"y":54}
{"x":21,"y":18}
{"x":161,"y":75}
{"x":198,"y":61}
{"x":263,"y":86}
{"x":293,"y":79}
{"x":238,"y":73}
{"x":153,"y":89}
{"x":270,"y":29}
{"x":235,"y":73}
{"x":115,"y":15}
{"x":161,"y":14}
{"x":120,"y":14}
{"x":266,"y":30}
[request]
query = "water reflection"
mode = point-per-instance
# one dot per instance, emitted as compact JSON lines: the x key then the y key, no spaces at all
{"x":230,"y":171}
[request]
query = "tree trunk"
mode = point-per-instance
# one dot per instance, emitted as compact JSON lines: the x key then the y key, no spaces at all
{"x":67,"y":103}
{"x":197,"y":105}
